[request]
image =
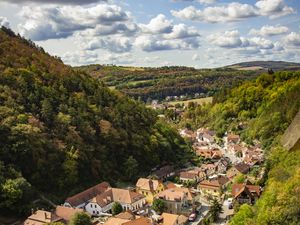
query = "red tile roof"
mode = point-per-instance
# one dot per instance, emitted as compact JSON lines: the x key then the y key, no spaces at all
{"x":88,"y":194}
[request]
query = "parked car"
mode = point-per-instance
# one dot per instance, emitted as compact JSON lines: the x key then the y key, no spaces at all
{"x":192,"y":217}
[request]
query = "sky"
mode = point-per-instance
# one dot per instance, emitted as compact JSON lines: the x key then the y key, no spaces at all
{"x":198,"y":33}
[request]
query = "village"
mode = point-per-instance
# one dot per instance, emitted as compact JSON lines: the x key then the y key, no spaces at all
{"x":228,"y":172}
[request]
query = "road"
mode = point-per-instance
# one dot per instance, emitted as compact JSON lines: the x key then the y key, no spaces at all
{"x":203,"y":212}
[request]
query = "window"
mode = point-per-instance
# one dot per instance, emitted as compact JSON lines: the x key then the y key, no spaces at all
{"x":93,"y":212}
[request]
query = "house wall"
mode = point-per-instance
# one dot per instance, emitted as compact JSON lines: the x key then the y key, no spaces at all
{"x":94,"y":209}
{"x":151,"y":195}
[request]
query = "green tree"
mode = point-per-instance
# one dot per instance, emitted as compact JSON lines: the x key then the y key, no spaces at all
{"x":81,"y":219}
{"x":239,"y":179}
{"x":159,"y":206}
{"x":215,"y":209}
{"x":243,"y":216}
{"x":116,"y":208}
{"x":131,"y":168}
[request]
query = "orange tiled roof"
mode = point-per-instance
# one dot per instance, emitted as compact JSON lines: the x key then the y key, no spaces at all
{"x":145,"y":184}
{"x":117,"y":195}
{"x":139,"y":221}
{"x":66,"y":212}
{"x":237,"y":189}
{"x":41,"y":217}
{"x":88,"y":194}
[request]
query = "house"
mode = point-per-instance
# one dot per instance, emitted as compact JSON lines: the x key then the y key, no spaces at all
{"x":139,"y":221}
{"x":253,"y":156}
{"x":81,"y":199}
{"x":115,"y":221}
{"x":222,"y":165}
{"x":213,"y":187}
{"x":176,"y":199}
{"x":41,"y":217}
{"x":149,"y":188}
{"x":164,"y":172}
{"x":173,"y":219}
{"x":209,"y":169}
{"x":238,"y":169}
{"x":185,"y":133}
{"x":205,"y":135}
{"x":208,"y":153}
{"x":61,"y":214}
{"x":236,"y":149}
{"x":233,"y":138}
{"x":188,"y":176}
{"x":244,"y":193}
{"x":103,"y":203}
{"x":66,"y":213}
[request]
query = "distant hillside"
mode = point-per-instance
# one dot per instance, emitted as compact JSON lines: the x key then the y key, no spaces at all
{"x":62,"y":130}
{"x":158,"y":83}
{"x":265,"y":65}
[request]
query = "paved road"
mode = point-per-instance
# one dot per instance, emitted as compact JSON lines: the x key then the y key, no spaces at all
{"x":203,"y":212}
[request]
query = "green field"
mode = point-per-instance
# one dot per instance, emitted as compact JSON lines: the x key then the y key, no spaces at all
{"x":197,"y":100}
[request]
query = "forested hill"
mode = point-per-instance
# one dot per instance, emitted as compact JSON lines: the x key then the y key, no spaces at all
{"x":62,"y":131}
{"x":265,"y":65}
{"x":261,"y":110}
{"x":159,"y":83}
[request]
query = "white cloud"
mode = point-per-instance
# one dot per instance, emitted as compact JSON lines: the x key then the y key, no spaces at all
{"x":199,"y":1}
{"x":4,"y":22}
{"x":180,"y":31}
{"x":148,"y":43}
{"x":196,"y":57}
{"x":159,"y":24}
{"x":53,"y":22}
{"x":269,"y":30}
{"x":162,"y":34}
{"x":116,"y":44}
{"x":80,"y":57}
{"x":273,"y":8}
{"x":234,"y":11}
{"x":232,"y":39}
{"x":80,"y":2}
{"x":228,"y":39}
{"x":292,"y":40}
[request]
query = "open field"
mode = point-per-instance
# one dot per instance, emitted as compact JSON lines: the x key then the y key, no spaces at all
{"x":197,"y":100}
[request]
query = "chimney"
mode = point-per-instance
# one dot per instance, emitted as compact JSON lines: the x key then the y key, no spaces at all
{"x":151,"y":184}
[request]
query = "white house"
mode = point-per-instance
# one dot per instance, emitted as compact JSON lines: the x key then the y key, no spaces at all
{"x":103,"y":203}
{"x":81,"y":199}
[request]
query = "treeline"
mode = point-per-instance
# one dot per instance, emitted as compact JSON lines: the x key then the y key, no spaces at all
{"x":158,"y":83}
{"x":62,"y":131}
{"x":262,"y":110}
{"x":259,"y":109}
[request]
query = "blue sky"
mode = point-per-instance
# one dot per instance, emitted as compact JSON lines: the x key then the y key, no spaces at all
{"x":199,"y":33}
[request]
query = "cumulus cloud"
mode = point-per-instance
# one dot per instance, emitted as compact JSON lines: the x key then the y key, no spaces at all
{"x":112,"y":44}
{"x":232,"y":39}
{"x":53,"y":22}
{"x":199,"y":1}
{"x":229,"y":39}
{"x":269,"y":30}
{"x":159,"y":24}
{"x":162,"y":34}
{"x":292,"y":40}
{"x":234,"y":11}
{"x":80,"y":57}
{"x":4,"y":22}
{"x":81,"y":2}
{"x":273,"y":8}
{"x":181,"y":31}
{"x":149,"y":43}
